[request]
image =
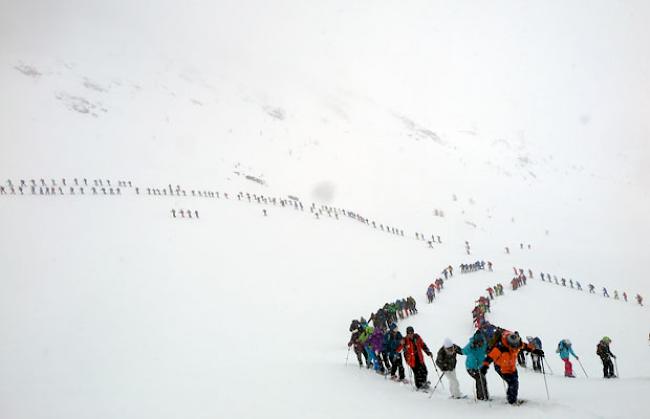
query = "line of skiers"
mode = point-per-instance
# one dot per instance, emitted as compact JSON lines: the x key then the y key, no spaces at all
{"x":488,"y":345}
{"x":562,"y":281}
{"x":521,"y":246}
{"x":367,"y":347}
{"x":592,"y":289}
{"x":479,"y":311}
{"x":436,"y":285}
{"x":496,"y":290}
{"x":476,"y":266}
{"x":518,"y":281}
{"x":448,"y":271}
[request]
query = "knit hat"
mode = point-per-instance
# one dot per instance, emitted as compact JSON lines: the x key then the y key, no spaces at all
{"x":447,"y":343}
{"x":393,"y":326}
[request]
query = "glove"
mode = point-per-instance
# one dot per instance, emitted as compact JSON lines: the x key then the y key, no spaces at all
{"x":349,"y":344}
{"x":578,"y":359}
{"x":484,"y":369}
{"x":538,"y":352}
{"x":614,"y":356}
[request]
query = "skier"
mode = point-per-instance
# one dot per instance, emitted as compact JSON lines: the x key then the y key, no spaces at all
{"x":564,"y":349}
{"x":446,"y":360}
{"x":616,"y":294}
{"x":392,"y":341}
{"x":376,"y":344}
{"x":475,"y":352}
{"x":358,"y":346}
{"x":625,"y":296}
{"x":366,"y":332}
{"x":591,"y":289}
{"x":521,"y":359}
{"x":504,"y":356}
{"x":536,"y":360}
{"x":579,"y":286}
{"x":605,"y":293}
{"x":603,"y":351}
{"x":431,"y":293}
{"x":413,"y":346}
{"x":639,"y":299}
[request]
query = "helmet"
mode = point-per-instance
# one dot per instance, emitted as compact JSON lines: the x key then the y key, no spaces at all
{"x":513,"y":340}
{"x":567,"y":342}
{"x":606,"y":339}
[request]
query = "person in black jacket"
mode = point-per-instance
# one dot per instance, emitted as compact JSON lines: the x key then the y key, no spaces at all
{"x":602,"y":350}
{"x":446,"y":361}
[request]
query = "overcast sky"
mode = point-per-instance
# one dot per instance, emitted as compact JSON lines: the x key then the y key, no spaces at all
{"x":573,"y":75}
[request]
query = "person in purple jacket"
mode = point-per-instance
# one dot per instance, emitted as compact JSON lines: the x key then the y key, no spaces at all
{"x":376,"y":342}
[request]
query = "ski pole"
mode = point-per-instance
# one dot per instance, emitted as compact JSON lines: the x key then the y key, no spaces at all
{"x":583,"y":368}
{"x":387,"y":368}
{"x":545,"y":384}
{"x":549,"y":367}
{"x":411,"y":377}
{"x":616,"y":368}
{"x":436,"y":386}
{"x":346,"y":358}
{"x":436,"y":368}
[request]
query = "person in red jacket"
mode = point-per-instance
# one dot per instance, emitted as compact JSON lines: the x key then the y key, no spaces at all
{"x":413,"y":346}
{"x":504,"y":355}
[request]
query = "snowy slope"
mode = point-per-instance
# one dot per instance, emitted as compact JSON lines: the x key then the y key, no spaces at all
{"x":112,"y":307}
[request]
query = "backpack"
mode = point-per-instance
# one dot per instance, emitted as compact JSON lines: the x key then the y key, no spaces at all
{"x":495,"y":337}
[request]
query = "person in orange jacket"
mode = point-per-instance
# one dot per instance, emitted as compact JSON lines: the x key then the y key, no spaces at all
{"x":504,"y":355}
{"x":413,"y":346}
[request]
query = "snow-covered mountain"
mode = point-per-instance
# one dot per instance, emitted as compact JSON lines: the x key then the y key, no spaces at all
{"x":281,"y":128}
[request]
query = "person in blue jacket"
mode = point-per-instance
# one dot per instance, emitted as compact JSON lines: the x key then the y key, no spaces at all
{"x":475,"y":352}
{"x":565,"y":350}
{"x":392,"y":340}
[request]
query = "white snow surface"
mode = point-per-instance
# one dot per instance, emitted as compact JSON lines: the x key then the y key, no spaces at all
{"x":111,"y":307}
